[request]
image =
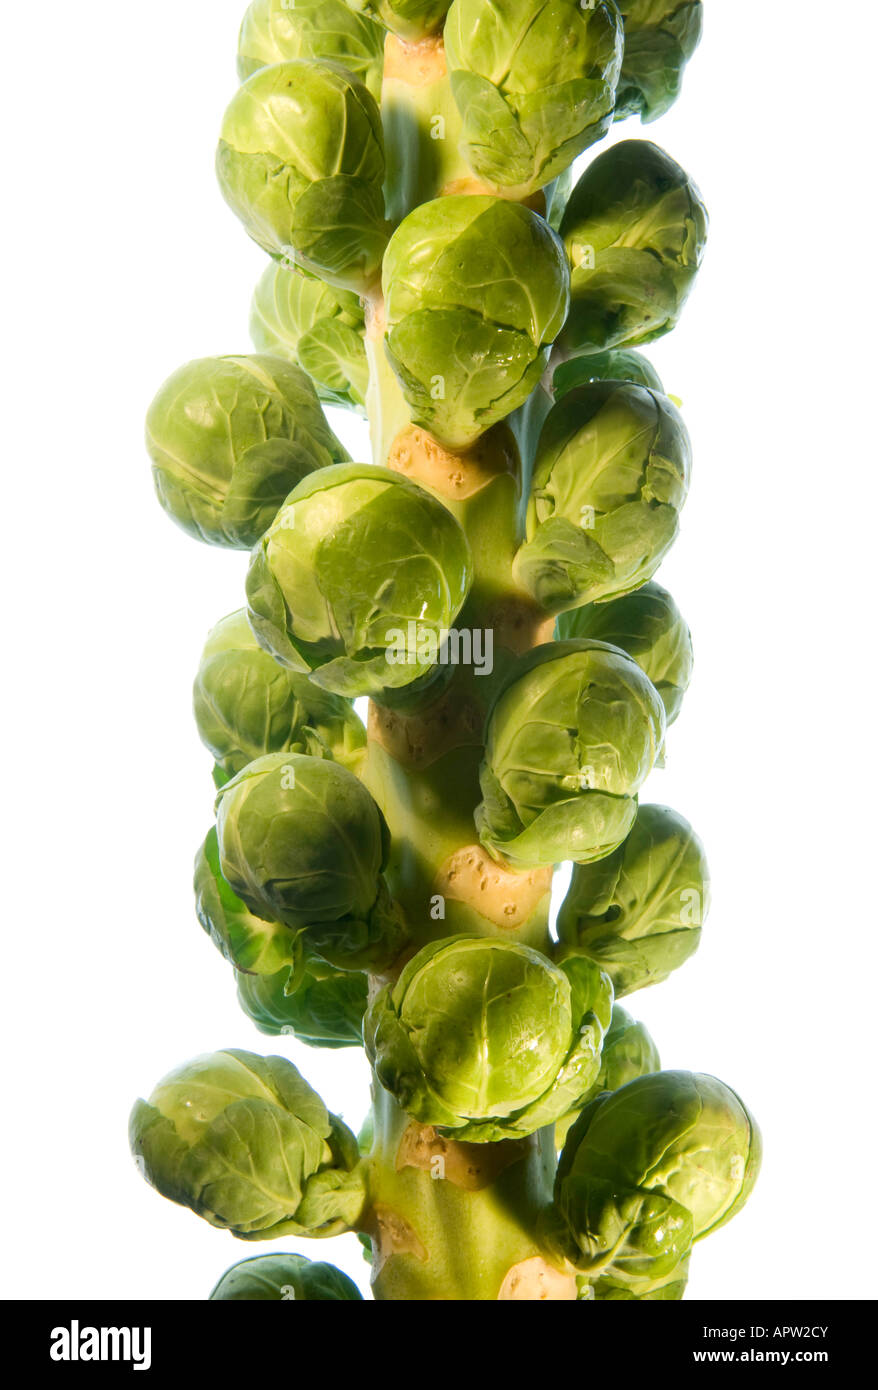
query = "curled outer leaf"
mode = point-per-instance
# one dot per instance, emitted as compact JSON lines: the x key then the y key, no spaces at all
{"x":619,"y":1286}
{"x":635,"y":1231}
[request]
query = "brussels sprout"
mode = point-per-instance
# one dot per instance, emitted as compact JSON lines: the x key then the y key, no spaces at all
{"x":324,"y":1009}
{"x":285,"y":1278}
{"x":628,"y":1052}
{"x":321,"y":329}
{"x":649,"y":1169}
{"x":410,"y":19}
{"x":302,"y":842}
{"x":610,"y":478}
{"x":250,"y":943}
{"x":535,"y":83}
{"x":486,"y":1038}
{"x":570,"y":740}
{"x":648,"y":626}
{"x":639,"y":912}
{"x":275,"y":31}
{"x":244,"y":1142}
{"x":660,"y":38}
{"x":635,"y":229}
{"x":247,"y":705}
{"x":357,"y":580}
{"x":229,"y":438}
{"x":616,"y":365}
{"x":301,"y":162}
{"x":476,"y":288}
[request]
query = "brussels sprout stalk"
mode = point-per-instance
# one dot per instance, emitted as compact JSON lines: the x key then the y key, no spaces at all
{"x":422,"y":127}
{"x":386,"y":406}
{"x":450,"y":1220}
{"x":486,"y":581}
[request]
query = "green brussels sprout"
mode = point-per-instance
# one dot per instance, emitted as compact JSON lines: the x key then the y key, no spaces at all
{"x":570,"y":739}
{"x":639,"y":912}
{"x":324,"y":1008}
{"x":302,"y":842}
{"x":535,"y":84}
{"x":628,"y":1052}
{"x":246,"y":705}
{"x":635,"y":229}
{"x":249,"y":943}
{"x":660,"y":38}
{"x":648,"y":626}
{"x":616,"y":365}
{"x":301,"y":163}
{"x":315,"y":326}
{"x":244,"y":1142}
{"x":276,"y":31}
{"x":357,"y":579}
{"x":229,"y":438}
{"x":285,"y":1278}
{"x":648,"y":1169}
{"x":487,"y":1038}
{"x":476,"y":289}
{"x":410,"y":19}
{"x":610,"y":478}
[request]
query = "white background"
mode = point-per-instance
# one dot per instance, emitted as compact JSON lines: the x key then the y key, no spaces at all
{"x":121,"y":262}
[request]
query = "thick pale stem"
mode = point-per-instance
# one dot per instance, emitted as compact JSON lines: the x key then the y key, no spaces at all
{"x":421,"y":126}
{"x":385,"y":404}
{"x":452,"y":1221}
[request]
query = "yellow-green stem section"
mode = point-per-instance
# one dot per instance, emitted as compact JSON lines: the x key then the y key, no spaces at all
{"x":458,"y":1222}
{"x":422,"y":127}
